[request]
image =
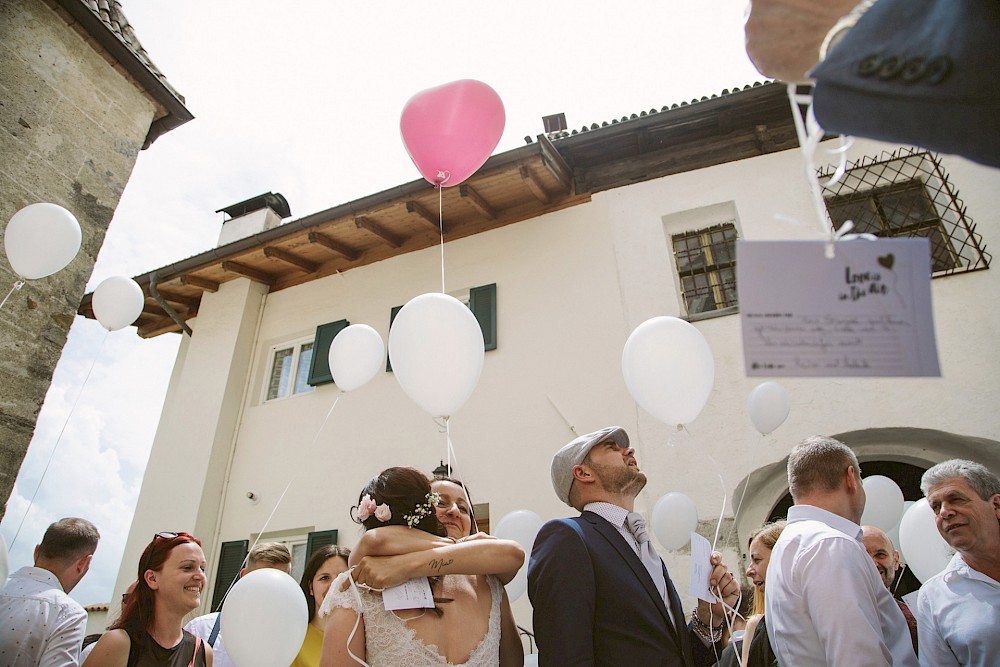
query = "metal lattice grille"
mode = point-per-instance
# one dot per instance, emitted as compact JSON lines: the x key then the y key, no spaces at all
{"x":706,"y":266}
{"x":907,"y":194}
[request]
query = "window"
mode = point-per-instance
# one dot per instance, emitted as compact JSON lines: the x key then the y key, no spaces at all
{"x":706,"y":266}
{"x":907,"y":194}
{"x":289,"y":371}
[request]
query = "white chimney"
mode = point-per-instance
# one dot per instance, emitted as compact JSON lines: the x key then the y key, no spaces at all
{"x":252,"y":216}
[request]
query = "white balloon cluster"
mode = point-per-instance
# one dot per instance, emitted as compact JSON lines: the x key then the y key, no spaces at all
{"x":521,"y":526}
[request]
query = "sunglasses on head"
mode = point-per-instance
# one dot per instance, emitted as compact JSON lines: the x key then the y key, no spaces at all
{"x":166,"y":535}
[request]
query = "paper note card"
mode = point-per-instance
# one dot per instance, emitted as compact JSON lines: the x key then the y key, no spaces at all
{"x":701,"y":568}
{"x":414,"y":594}
{"x":865,"y":312}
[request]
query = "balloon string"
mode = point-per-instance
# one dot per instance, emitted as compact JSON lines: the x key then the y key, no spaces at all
{"x":441,"y":229}
{"x":260,"y":534}
{"x":18,"y":284}
{"x":61,"y":431}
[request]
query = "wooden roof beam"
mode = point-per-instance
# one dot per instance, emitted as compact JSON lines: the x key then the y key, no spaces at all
{"x":477,"y":202}
{"x":533,"y":185}
{"x":201,"y":283}
{"x":290,"y":258}
{"x":337,"y":247}
{"x":156,"y":327}
{"x":179,"y":299}
{"x":377,"y":230}
{"x":153,"y":309}
{"x":414,"y":208}
{"x":248,"y":272}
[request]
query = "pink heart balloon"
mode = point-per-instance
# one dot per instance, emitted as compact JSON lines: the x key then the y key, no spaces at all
{"x":449,"y":131}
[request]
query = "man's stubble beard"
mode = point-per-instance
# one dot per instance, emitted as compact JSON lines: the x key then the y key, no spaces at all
{"x":627,"y":481}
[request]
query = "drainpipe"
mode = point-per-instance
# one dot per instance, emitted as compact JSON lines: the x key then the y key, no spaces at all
{"x":166,"y":306}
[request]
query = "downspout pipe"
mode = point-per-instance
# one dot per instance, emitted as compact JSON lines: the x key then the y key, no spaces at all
{"x":168,"y":309}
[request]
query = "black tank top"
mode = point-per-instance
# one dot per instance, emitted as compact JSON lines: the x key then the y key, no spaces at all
{"x":147,"y":653}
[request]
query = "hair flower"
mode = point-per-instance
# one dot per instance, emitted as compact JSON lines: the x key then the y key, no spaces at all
{"x":366,"y":507}
{"x":383,"y":513}
{"x":424,"y":509}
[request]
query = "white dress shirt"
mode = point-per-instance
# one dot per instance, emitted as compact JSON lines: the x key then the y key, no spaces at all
{"x":958,"y":618}
{"x":825,"y":603}
{"x":40,"y":626}
{"x":202,"y":627}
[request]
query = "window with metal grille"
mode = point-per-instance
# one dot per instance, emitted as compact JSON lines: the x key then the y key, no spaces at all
{"x":908,"y":194}
{"x":706,"y":266}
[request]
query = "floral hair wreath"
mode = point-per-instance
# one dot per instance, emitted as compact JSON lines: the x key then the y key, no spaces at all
{"x":367,"y":507}
{"x":420,"y":511}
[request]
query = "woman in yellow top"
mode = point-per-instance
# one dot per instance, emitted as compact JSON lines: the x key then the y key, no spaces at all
{"x":323,"y":567}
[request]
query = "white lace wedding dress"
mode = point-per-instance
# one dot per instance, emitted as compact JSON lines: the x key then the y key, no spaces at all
{"x":390,"y":643}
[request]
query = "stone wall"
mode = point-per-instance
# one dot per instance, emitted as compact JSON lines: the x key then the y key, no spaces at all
{"x":71,"y":127}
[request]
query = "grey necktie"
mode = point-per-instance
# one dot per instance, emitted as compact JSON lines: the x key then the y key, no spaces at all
{"x":637,"y":526}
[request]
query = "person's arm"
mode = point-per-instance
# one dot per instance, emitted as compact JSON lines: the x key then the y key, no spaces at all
{"x":511,"y":650}
{"x":209,"y":655}
{"x":562,"y":588}
{"x":783,"y":36}
{"x":65,"y":639}
{"x":934,"y":649}
{"x":475,"y":556}
{"x":339,"y":625}
{"x":111,"y":650}
{"x":748,"y":633}
{"x":838,"y":585}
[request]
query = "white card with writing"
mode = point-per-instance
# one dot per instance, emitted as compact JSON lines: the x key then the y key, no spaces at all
{"x":701,"y":568}
{"x":414,"y":594}
{"x":864,"y":312}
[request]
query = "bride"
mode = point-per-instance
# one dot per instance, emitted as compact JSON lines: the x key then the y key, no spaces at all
{"x":463,"y":627}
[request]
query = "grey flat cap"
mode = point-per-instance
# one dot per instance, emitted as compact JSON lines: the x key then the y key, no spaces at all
{"x":575,"y":452}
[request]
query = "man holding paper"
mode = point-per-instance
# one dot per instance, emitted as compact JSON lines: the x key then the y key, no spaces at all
{"x":825,"y":602}
{"x":600,"y":593}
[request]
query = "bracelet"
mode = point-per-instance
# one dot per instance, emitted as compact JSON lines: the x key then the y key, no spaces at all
{"x":705,"y":631}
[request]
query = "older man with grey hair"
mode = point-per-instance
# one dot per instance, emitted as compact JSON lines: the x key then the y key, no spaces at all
{"x":958,"y":610}
{"x":825,"y":602}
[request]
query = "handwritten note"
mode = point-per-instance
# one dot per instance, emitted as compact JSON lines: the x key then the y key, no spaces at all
{"x":701,"y":568}
{"x":865,"y":312}
{"x":414,"y":594}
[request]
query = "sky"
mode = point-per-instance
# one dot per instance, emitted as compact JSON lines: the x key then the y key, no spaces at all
{"x":303,"y":98}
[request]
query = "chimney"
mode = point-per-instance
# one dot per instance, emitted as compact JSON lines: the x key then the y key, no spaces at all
{"x":554,"y":123}
{"x":252,"y":216}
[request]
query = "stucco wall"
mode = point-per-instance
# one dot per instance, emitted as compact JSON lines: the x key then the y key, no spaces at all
{"x":571,"y":286}
{"x":70,"y":130}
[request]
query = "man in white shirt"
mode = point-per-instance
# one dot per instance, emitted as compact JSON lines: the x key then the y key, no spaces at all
{"x":958,"y":610}
{"x":40,"y":625}
{"x":825,"y":602}
{"x":268,"y":554}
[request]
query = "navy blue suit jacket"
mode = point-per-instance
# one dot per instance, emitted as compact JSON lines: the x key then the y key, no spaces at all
{"x":595,"y":603}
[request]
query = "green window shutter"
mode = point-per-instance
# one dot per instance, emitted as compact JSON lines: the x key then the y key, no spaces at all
{"x":319,"y":367}
{"x":483,"y":303}
{"x":318,"y":540}
{"x":392,"y":316}
{"x":231,"y":557}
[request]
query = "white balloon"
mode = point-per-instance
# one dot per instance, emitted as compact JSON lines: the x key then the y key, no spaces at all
{"x":436,"y":349}
{"x":356,"y":356}
{"x":264,"y":619}
{"x":884,"y":503}
{"x":894,"y":533}
{"x":668,"y":369}
{"x":674,"y":518}
{"x":768,"y":405}
{"x":41,"y":239}
{"x":926,"y":551}
{"x":117,"y":302}
{"x":521,"y":526}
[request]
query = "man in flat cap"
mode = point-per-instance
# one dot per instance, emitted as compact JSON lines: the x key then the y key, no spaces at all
{"x":600,"y":593}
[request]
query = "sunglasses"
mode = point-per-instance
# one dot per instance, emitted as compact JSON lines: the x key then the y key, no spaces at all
{"x":152,"y":547}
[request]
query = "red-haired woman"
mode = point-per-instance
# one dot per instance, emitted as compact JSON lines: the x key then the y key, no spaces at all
{"x":149,"y":632}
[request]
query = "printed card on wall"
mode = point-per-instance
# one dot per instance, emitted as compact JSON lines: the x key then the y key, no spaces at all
{"x":865,"y":312}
